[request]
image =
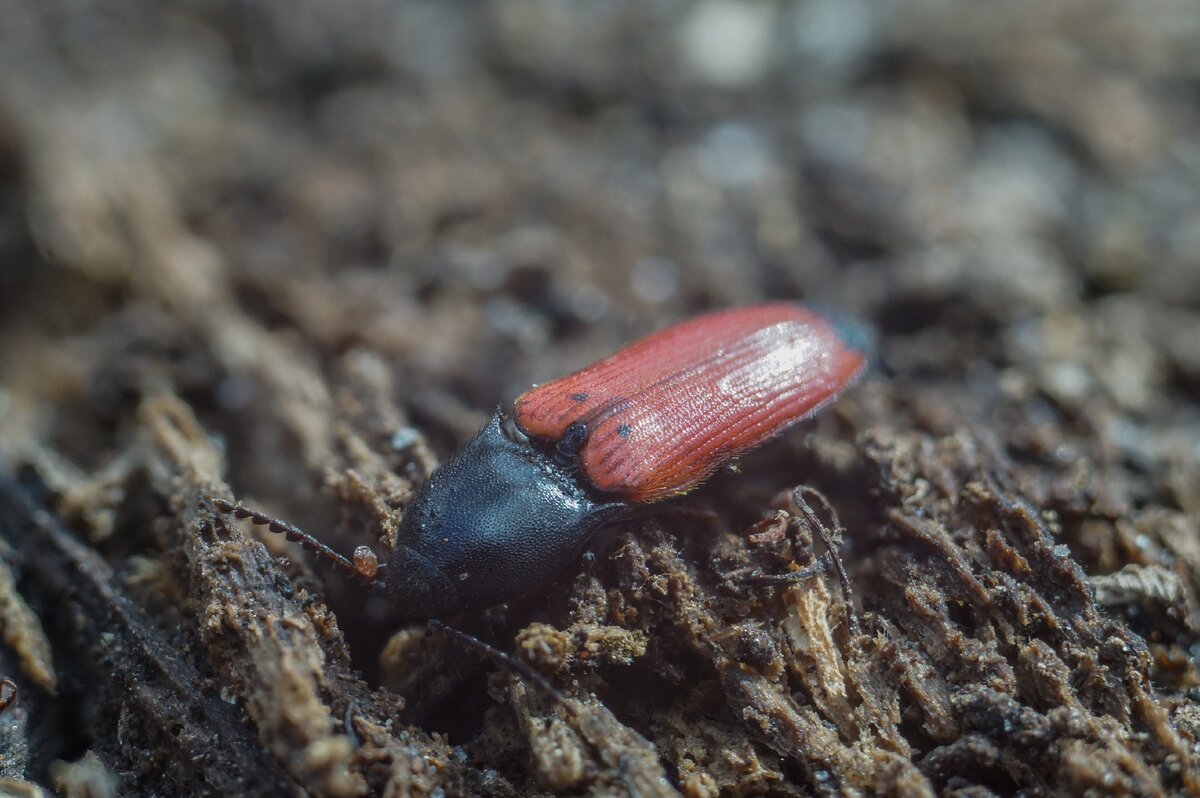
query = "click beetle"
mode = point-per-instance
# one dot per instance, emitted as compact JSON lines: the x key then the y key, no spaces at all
{"x":518,"y":503}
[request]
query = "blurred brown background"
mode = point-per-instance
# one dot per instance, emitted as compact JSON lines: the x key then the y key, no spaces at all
{"x":303,"y":248}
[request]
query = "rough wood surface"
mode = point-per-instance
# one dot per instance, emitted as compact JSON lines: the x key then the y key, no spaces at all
{"x":296,"y":253}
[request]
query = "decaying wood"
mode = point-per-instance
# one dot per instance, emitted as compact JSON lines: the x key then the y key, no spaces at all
{"x":167,"y":717}
{"x":293,"y":254}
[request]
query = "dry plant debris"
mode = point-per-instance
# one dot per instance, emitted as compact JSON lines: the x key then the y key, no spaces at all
{"x":295,"y":253}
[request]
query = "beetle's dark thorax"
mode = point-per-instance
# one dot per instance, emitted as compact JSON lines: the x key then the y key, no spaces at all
{"x":497,"y":520}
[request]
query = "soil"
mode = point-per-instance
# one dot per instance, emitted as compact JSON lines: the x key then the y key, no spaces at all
{"x":296,"y":253}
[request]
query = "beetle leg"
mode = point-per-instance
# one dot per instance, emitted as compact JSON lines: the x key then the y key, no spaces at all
{"x":774,"y":529}
{"x":816,"y":568}
{"x":831,"y":541}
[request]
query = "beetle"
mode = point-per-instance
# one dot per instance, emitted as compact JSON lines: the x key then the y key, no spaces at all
{"x":520,"y":501}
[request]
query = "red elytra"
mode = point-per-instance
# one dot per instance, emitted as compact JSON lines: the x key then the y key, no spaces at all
{"x":663,"y":413}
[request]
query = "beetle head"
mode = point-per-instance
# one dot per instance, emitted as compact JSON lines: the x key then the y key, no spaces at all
{"x":421,"y":588}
